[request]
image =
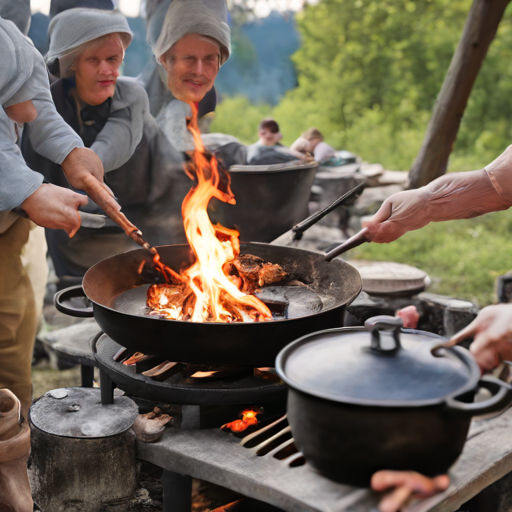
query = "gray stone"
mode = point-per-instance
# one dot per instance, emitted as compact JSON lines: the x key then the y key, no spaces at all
{"x":372,"y":172}
{"x":334,"y":184}
{"x":371,"y":199}
{"x":394,"y":178}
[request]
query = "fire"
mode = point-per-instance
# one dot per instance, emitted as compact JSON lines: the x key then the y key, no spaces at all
{"x":248,"y":418}
{"x":205,"y":292}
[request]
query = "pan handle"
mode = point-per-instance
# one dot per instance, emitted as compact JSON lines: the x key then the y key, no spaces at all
{"x":502,"y":397}
{"x":298,"y":229}
{"x":72,"y":301}
{"x":356,"y":240}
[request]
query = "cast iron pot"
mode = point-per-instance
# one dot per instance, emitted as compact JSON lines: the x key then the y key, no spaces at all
{"x":361,"y":400}
{"x":270,"y":199}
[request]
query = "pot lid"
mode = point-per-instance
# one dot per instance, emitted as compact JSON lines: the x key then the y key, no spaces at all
{"x":380,"y":365}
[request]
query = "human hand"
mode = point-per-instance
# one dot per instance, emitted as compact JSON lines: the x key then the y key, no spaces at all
{"x":405,"y":484}
{"x":84,"y":170}
{"x":55,"y":208}
{"x":492,"y":331}
{"x":399,"y":213}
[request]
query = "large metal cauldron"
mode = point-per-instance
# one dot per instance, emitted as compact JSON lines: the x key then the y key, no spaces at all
{"x":270,"y":199}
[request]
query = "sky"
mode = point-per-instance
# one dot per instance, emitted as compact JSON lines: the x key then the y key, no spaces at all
{"x":127,"y":7}
{"x":131,"y":8}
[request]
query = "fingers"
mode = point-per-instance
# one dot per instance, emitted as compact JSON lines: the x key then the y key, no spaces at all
{"x":81,"y":164}
{"x":71,"y":231}
{"x":468,"y":331}
{"x":55,"y":208}
{"x":81,"y":199}
{"x":385,"y":479}
{"x":396,"y":500}
{"x":381,"y":229}
{"x":101,"y":195}
{"x":406,"y":483}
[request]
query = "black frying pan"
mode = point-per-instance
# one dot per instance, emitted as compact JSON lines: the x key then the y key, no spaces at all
{"x":118,"y":294}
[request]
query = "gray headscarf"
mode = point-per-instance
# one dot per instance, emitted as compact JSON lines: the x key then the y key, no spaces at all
{"x":24,"y":78}
{"x":72,"y":28}
{"x":123,"y":131}
{"x":17,"y":11}
{"x":205,"y":17}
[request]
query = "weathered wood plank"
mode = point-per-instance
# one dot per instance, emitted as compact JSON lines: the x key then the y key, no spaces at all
{"x":218,"y":458}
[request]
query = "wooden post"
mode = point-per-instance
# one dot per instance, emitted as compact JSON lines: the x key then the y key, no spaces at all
{"x":481,"y":25}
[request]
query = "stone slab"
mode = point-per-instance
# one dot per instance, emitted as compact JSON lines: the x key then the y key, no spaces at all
{"x":74,"y":340}
{"x":389,"y":277}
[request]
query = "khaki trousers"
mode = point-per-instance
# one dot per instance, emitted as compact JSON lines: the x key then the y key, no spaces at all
{"x":17,"y":315}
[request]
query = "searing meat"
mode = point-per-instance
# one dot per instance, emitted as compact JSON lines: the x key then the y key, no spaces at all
{"x":255,"y":272}
{"x":247,"y":272}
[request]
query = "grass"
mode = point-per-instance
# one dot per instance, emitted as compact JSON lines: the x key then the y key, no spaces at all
{"x":463,"y":258}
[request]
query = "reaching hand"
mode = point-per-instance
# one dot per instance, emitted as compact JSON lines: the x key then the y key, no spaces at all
{"x":55,"y":208}
{"x":492,"y":331}
{"x":405,"y":484}
{"x":84,"y":170}
{"x":402,"y":212}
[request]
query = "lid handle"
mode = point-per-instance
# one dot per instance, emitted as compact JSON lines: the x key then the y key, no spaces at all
{"x":375,"y":324}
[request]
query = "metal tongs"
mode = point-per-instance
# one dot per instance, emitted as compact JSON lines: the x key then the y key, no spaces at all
{"x":295,"y":234}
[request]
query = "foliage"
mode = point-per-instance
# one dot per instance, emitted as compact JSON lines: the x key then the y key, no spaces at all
{"x":260,"y":64}
{"x":368,"y":75}
{"x":463,"y":257}
{"x":239,"y":117}
{"x":369,"y":72}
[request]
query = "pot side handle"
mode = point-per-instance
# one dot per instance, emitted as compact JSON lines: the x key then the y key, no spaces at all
{"x":72,"y":301}
{"x":502,"y":397}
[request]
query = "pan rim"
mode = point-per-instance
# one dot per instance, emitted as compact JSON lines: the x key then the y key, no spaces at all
{"x":338,"y":261}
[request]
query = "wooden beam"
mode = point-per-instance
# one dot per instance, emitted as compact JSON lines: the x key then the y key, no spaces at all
{"x":479,"y":31}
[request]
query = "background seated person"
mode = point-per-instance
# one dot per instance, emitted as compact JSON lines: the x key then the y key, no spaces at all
{"x":300,"y":147}
{"x":315,"y":145}
{"x":268,"y":149}
{"x":112,"y":118}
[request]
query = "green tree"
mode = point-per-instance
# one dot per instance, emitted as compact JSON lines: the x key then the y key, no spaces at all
{"x":369,"y":72}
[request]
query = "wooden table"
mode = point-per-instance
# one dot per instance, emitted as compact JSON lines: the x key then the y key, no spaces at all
{"x":213,"y":456}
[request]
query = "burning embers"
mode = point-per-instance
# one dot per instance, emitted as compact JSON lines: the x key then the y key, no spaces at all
{"x":218,"y":286}
{"x":247,"y":419}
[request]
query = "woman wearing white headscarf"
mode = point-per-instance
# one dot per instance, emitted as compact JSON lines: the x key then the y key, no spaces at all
{"x":111,"y":116}
{"x":25,"y":98}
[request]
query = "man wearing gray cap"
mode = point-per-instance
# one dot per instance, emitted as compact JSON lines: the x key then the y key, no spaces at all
{"x":190,"y":46}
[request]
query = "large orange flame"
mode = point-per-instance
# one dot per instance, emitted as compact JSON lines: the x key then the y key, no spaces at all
{"x":217,"y":296}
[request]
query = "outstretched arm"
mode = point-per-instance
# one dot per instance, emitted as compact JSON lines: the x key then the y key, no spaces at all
{"x":454,"y":196}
